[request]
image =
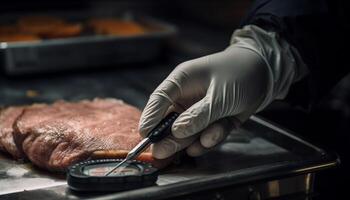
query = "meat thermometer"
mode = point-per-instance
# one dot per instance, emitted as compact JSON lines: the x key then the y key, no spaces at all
{"x":158,"y":133}
{"x":107,"y":175}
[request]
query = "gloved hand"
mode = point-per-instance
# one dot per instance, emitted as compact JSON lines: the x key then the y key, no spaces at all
{"x":214,"y":94}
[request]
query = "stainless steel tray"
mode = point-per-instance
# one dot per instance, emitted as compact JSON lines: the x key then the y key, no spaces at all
{"x":258,"y":161}
{"x":87,"y":50}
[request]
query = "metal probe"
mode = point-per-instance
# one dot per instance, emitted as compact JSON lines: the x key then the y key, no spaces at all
{"x":162,"y":130}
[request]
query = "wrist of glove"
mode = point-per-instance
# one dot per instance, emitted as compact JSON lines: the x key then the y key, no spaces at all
{"x":214,"y":94}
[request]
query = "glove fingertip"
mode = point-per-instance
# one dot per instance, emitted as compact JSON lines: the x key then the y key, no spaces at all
{"x":196,"y":149}
{"x":178,"y":131}
{"x":159,"y":153}
{"x":212,"y":135}
{"x":153,"y":113}
{"x":164,"y":149}
{"x":143,"y":131}
{"x":145,"y":126}
{"x":182,"y":127}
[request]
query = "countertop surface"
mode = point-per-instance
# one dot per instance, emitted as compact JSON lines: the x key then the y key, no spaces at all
{"x":253,"y":150}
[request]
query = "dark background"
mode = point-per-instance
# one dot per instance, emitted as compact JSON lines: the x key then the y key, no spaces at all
{"x":204,"y":27}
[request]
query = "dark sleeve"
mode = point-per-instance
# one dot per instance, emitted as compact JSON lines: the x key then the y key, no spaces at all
{"x":313,"y":28}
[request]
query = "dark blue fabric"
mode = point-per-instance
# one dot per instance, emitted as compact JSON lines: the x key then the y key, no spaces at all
{"x":313,"y":28}
{"x":287,"y":8}
{"x":319,"y":30}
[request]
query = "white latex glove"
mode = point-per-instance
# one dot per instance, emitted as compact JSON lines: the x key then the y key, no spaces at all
{"x":212,"y":92}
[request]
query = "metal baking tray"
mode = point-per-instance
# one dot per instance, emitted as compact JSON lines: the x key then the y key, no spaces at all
{"x":258,"y":161}
{"x":87,"y":50}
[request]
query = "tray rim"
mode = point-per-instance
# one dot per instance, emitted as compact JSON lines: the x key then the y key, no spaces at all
{"x":167,"y":29}
{"x":236,"y":178}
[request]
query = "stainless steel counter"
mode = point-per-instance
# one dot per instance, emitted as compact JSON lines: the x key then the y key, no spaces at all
{"x":260,"y":158}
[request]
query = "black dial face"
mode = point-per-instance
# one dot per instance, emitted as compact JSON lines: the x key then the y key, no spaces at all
{"x":102,"y":169}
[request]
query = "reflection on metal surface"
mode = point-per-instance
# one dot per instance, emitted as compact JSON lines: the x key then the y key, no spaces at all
{"x":273,"y":188}
{"x":283,"y":187}
{"x":309,"y":182}
{"x":254,"y":194}
{"x":280,"y":130}
{"x":327,"y":165}
{"x":16,"y":176}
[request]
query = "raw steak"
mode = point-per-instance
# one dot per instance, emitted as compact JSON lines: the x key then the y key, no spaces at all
{"x":7,"y":117}
{"x":58,"y":135}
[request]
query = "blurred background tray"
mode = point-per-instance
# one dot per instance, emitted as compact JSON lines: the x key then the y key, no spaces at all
{"x":86,"y":50}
